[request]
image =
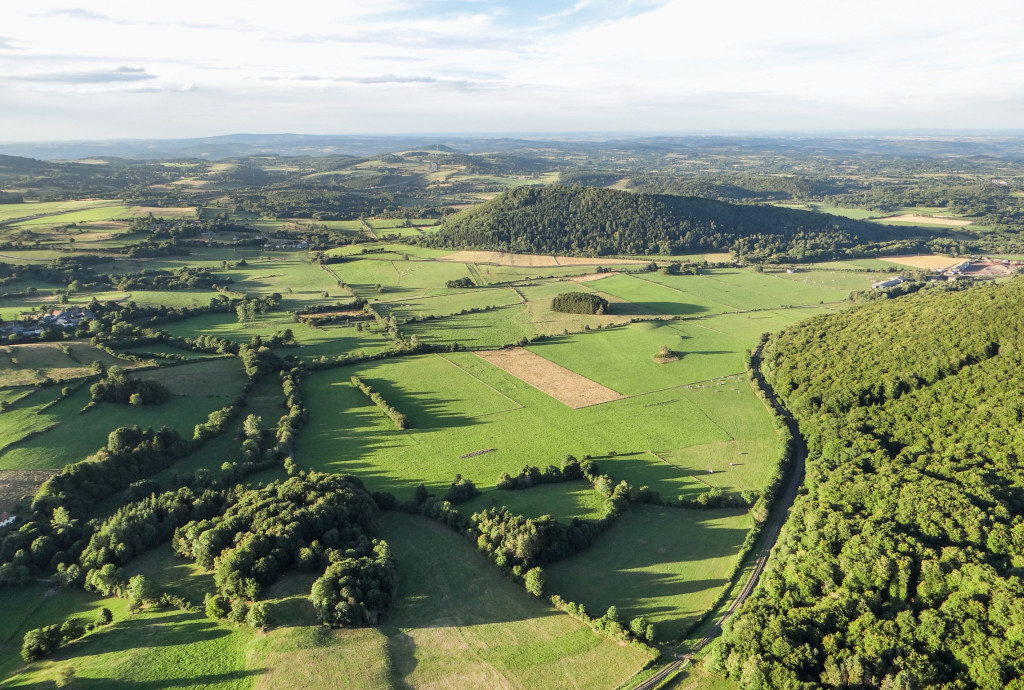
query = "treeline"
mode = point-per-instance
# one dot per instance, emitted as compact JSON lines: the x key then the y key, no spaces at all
{"x":580,"y":303}
{"x":598,"y":222}
{"x":899,"y":567}
{"x":400,"y":420}
{"x":739,"y":187}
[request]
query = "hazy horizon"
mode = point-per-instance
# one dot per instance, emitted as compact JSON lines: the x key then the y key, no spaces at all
{"x":120,"y":70}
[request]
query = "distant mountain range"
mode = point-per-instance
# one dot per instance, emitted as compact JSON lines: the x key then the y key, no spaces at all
{"x":239,"y":145}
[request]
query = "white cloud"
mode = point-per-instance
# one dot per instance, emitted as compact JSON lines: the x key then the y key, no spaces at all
{"x":483,"y":66}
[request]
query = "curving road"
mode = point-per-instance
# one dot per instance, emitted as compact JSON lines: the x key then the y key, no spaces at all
{"x":769,"y":534}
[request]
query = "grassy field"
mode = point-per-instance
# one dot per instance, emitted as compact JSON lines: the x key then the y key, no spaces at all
{"x":468,"y":626}
{"x":27,"y":364}
{"x":668,"y":564}
{"x":562,"y":501}
{"x":459,"y":404}
{"x":198,"y":389}
{"x":623,"y":358}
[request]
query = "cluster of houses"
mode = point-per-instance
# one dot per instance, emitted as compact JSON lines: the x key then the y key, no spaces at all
{"x":60,"y":318}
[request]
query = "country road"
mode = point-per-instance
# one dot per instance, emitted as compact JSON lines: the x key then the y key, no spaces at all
{"x":769,"y":535}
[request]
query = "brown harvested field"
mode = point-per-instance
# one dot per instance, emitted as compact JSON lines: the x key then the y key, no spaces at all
{"x":529,"y":260}
{"x":160,"y":212}
{"x":718,"y":257}
{"x":584,"y":261}
{"x":17,"y":483}
{"x":562,"y":384}
{"x":925,"y":220}
{"x":933,"y":262}
{"x":591,"y":276}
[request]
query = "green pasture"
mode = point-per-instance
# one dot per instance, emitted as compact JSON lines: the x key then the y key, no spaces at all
{"x":82,"y":216}
{"x":622,"y":358}
{"x":33,"y":208}
{"x":447,"y":304}
{"x":30,"y":363}
{"x":293,"y":276}
{"x":742,"y":290}
{"x":844,"y":211}
{"x":668,"y":564}
{"x":36,"y":605}
{"x":164,"y":648}
{"x":488,"y":329}
{"x":398,"y":277}
{"x":460,"y":404}
{"x":643,"y":296}
{"x":329,"y":340}
{"x":468,"y":626}
{"x":198,"y":388}
{"x":265,"y":400}
{"x":748,"y":326}
{"x":562,"y":501}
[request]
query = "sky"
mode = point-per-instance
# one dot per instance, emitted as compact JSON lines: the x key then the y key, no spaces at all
{"x":115,"y":69}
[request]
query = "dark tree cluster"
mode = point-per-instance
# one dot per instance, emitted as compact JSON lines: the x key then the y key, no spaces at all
{"x":598,"y":222}
{"x":309,"y":521}
{"x":120,"y":387}
{"x":356,"y":591}
{"x":580,"y":303}
{"x":517,"y":543}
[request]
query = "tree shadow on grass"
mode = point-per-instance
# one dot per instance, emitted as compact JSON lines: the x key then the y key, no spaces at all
{"x":660,"y":308}
{"x":144,"y":631}
{"x":206,"y":680}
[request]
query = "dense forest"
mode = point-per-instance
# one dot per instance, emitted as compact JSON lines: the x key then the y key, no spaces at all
{"x":599,"y":222}
{"x":900,"y":567}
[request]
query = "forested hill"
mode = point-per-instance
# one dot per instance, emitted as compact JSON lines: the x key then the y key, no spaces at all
{"x":597,"y":222}
{"x":901,"y":566}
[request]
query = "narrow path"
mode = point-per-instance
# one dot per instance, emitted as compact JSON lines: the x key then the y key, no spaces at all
{"x":769,"y":535}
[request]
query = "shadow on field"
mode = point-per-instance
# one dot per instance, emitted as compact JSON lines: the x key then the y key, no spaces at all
{"x":134,"y":633}
{"x":647,"y":308}
{"x":648,"y":560}
{"x":185,"y":682}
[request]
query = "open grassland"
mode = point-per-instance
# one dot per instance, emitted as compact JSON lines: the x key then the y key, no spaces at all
{"x":313,"y":341}
{"x":459,"y":404}
{"x":36,"y":605}
{"x":82,"y":216}
{"x":69,"y":435}
{"x":667,"y":564}
{"x":562,"y":501}
{"x":448,"y":304}
{"x":311,"y":656}
{"x":488,"y":329}
{"x":467,"y":626}
{"x":622,"y":358}
{"x":156,"y":649}
{"x":747,"y":326}
{"x":30,"y":363}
